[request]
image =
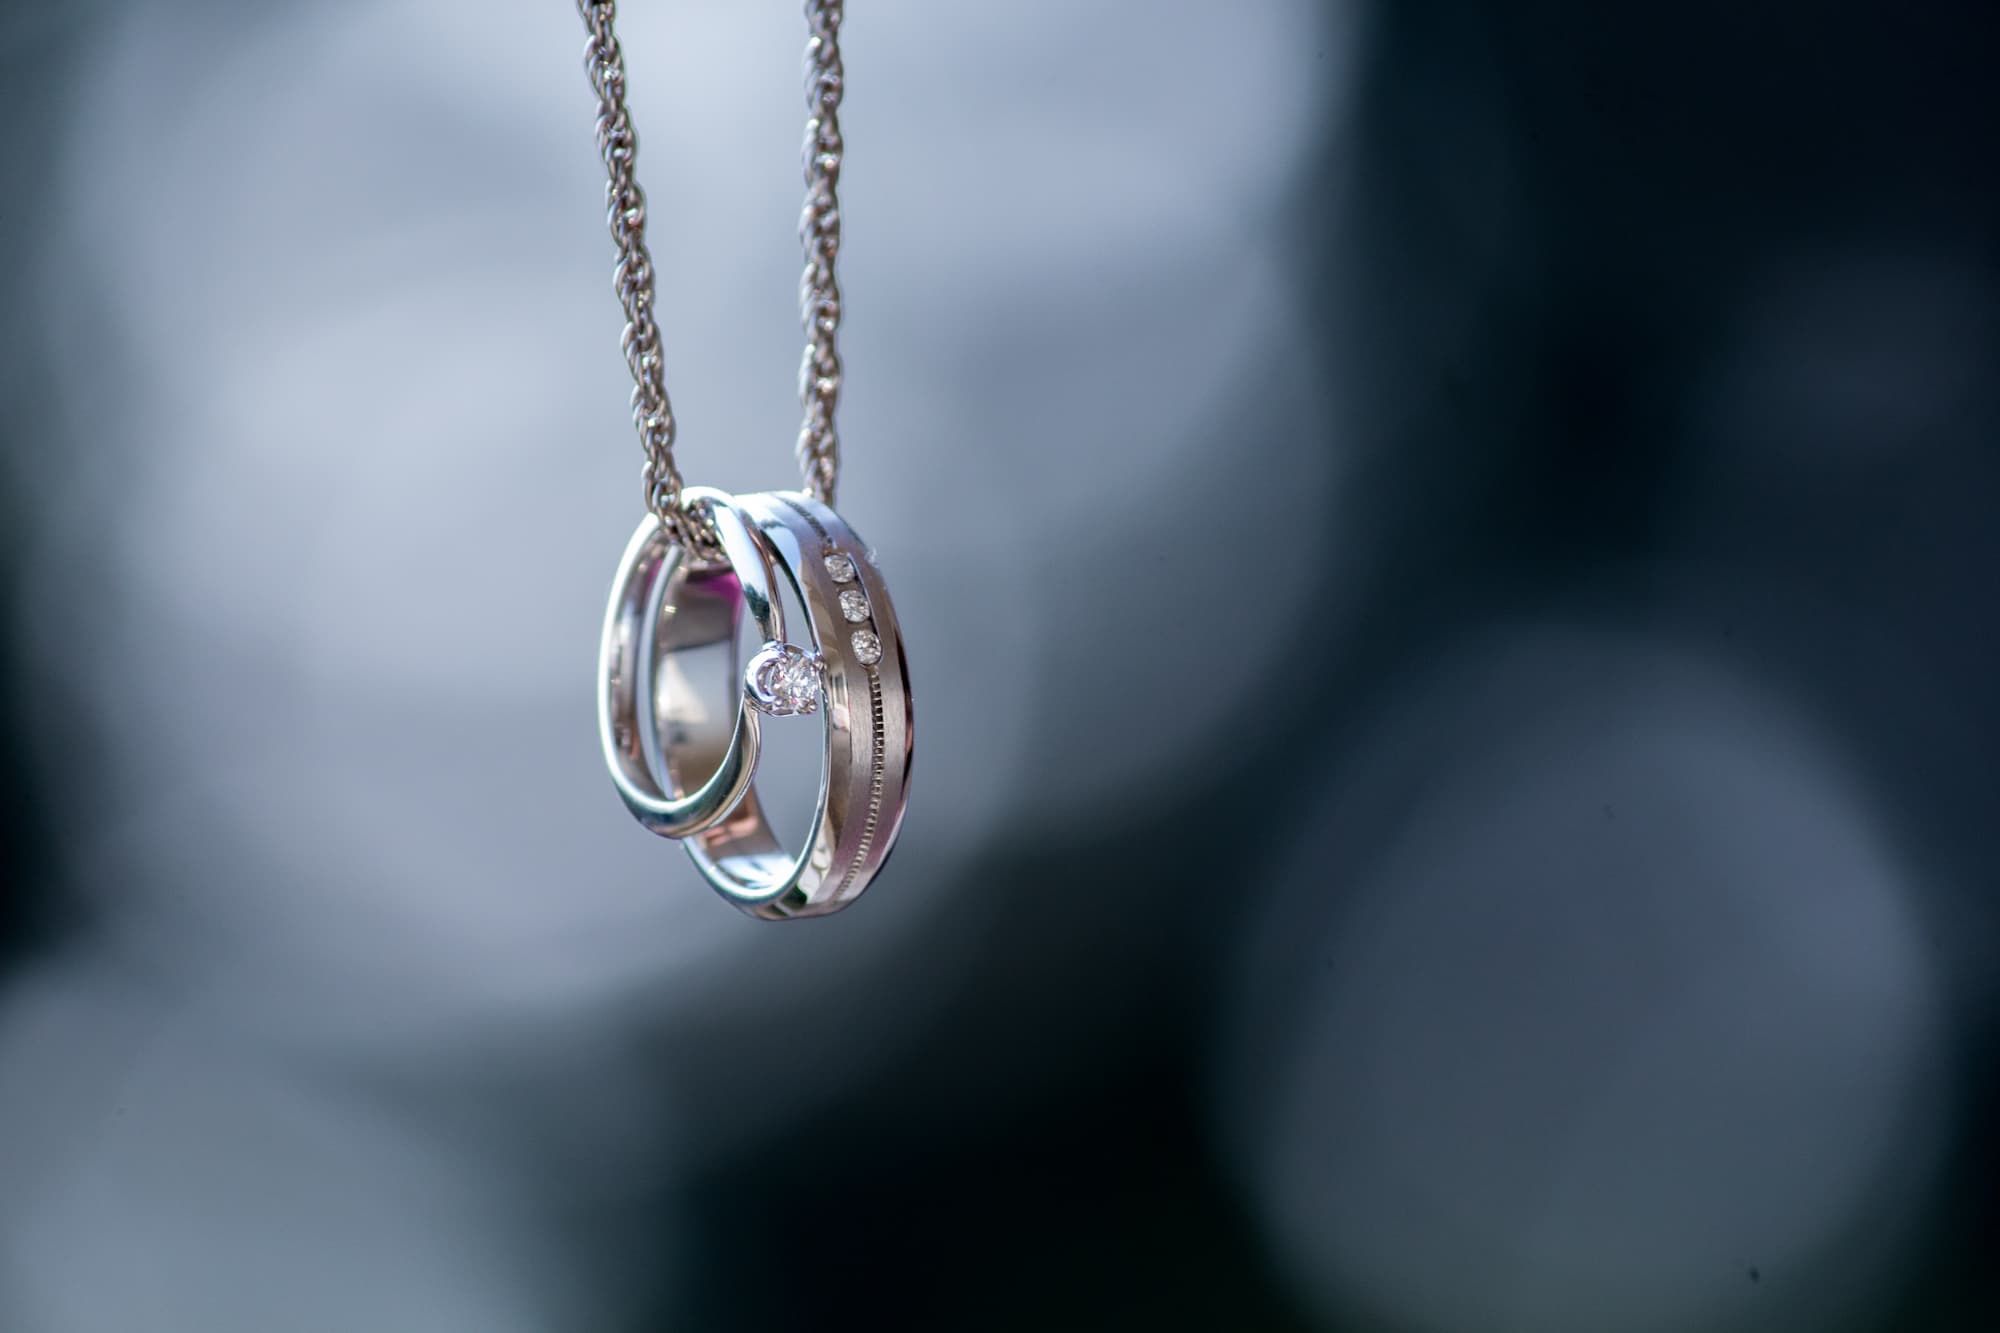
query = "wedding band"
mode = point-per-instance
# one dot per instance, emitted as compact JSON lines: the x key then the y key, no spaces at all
{"x":669,"y":629}
{"x":789,"y":541}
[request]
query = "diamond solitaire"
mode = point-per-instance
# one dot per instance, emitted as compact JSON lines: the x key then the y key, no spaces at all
{"x":783,"y":680}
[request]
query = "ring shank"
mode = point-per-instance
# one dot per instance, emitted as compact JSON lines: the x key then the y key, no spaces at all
{"x":670,"y":628}
{"x":865,"y":766}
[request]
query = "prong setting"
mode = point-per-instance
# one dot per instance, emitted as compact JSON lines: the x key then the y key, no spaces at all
{"x":784,"y":680}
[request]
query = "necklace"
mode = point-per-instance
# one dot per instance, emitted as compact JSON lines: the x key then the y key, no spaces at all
{"x":678,"y":716}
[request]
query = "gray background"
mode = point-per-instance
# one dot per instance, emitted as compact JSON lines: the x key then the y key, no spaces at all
{"x":1455,"y":692}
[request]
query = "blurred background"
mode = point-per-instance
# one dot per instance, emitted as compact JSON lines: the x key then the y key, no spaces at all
{"x":1456,"y":700}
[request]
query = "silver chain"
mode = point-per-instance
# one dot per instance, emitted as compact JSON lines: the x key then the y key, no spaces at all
{"x":819,"y":229}
{"x":819,"y":288}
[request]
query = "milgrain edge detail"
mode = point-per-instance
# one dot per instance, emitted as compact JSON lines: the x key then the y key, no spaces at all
{"x":875,"y":776}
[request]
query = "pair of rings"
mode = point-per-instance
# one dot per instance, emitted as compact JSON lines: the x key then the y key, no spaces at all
{"x":683,"y":753}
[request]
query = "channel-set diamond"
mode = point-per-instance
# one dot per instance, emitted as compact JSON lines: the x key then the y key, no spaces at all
{"x":867,"y":647}
{"x":854,"y":605}
{"x":840,"y":568}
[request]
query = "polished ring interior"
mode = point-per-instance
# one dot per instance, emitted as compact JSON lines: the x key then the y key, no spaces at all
{"x":670,"y":628}
{"x":791,"y":540}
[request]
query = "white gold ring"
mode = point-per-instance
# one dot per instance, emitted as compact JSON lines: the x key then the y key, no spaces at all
{"x":683,"y":753}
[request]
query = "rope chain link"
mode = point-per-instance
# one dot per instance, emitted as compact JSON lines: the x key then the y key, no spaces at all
{"x":633,"y":277}
{"x":819,"y":231}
